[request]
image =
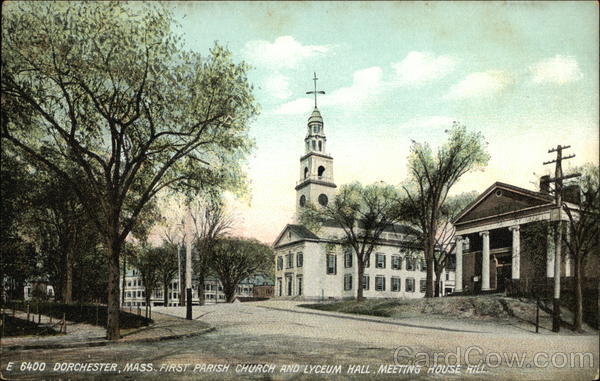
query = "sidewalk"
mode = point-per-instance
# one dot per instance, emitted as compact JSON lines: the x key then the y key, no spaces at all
{"x":165,"y":327}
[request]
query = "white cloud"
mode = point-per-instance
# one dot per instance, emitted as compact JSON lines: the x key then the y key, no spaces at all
{"x":418,"y":68}
{"x":558,"y":69}
{"x":366,"y":83}
{"x":277,"y":85}
{"x":284,"y":52}
{"x":428,"y":122}
{"x":481,"y":84}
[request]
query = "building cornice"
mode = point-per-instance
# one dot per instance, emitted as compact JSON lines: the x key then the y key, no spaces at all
{"x":316,"y":154}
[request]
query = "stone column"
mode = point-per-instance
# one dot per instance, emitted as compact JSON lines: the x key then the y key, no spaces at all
{"x":458,"y":284}
{"x":485,"y":261}
{"x":550,"y":254}
{"x":516,"y":251}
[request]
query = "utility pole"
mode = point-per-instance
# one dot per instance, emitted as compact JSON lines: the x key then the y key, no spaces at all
{"x":558,"y":227}
{"x":188,"y":264}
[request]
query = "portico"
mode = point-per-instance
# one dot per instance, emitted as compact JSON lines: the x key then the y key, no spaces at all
{"x":489,"y":243}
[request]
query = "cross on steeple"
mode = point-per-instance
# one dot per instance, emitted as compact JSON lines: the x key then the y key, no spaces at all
{"x":315,"y":92}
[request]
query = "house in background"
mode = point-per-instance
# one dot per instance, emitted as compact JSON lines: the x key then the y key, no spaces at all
{"x":212,"y":289}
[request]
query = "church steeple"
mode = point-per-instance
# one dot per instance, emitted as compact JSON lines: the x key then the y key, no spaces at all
{"x":316,"y":166}
{"x":315,"y":138}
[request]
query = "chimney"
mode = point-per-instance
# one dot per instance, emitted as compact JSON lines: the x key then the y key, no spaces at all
{"x":545,"y":184}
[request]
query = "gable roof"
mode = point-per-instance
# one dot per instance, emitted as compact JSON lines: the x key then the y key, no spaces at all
{"x":299,"y":230}
{"x":520,"y":199}
{"x":396,"y":228}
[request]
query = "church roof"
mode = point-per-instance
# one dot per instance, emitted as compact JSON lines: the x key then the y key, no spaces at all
{"x":397,"y":228}
{"x":500,"y":199}
{"x":315,"y":116}
{"x":302,"y":231}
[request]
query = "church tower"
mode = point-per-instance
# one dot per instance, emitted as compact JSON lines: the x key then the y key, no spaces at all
{"x":316,"y":166}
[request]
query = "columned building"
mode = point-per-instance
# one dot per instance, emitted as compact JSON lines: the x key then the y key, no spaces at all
{"x":505,"y":240}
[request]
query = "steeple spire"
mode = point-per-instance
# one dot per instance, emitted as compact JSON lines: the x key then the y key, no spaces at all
{"x":315,"y":92}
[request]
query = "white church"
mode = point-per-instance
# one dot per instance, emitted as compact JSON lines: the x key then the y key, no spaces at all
{"x":311,"y":265}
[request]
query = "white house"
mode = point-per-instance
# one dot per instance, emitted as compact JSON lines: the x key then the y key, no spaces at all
{"x":310,"y":265}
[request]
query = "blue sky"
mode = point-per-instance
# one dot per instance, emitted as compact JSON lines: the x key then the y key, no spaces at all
{"x":525,"y":74}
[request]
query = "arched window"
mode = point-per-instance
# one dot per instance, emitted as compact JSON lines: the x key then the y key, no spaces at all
{"x":313,"y":145}
{"x":305,"y":172}
{"x":320,"y":146}
{"x":321,"y":171}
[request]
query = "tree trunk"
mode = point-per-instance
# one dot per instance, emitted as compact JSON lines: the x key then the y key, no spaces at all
{"x":124,"y":275}
{"x":68,"y":289}
{"x":438,"y":282}
{"x":201,"y":300}
{"x":229,"y":292}
{"x":359,"y":283}
{"x":112,"y":327}
{"x":578,"y":316}
{"x":147,"y":301}
{"x":429,"y":261}
{"x":165,"y":292}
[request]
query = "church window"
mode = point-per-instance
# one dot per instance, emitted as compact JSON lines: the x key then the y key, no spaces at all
{"x":305,"y":172}
{"x":320,"y":146}
{"x":302,"y":200}
{"x":299,"y":260}
{"x":321,"y":170}
{"x":331,"y":264}
{"x":396,"y":283}
{"x":323,"y":200}
{"x":379,"y":283}
{"x":290,"y":261}
{"x":348,"y":259}
{"x":347,"y":282}
{"x":380,"y":261}
{"x":313,"y":145}
{"x":410,"y":263}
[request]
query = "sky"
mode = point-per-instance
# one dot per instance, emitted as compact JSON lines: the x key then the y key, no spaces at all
{"x":524,"y":74}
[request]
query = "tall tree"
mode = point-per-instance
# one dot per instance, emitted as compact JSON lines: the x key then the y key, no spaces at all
{"x":108,"y":87}
{"x":584,"y":234}
{"x":148,"y":263}
{"x":363,"y":213}
{"x":235,"y":259}
{"x":210,"y":222}
{"x":168,"y":267}
{"x":433,"y":175}
{"x":18,"y":257}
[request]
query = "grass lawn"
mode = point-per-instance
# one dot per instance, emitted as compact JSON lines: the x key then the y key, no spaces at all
{"x":82,"y":313}
{"x":19,"y":327}
{"x":489,"y":307}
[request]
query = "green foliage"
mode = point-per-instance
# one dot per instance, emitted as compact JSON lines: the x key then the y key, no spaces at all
{"x":108,"y":88}
{"x":362,"y":213}
{"x":235,"y":259}
{"x":432,"y":175}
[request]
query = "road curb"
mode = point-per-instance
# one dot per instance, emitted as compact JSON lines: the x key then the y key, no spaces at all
{"x":102,"y":343}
